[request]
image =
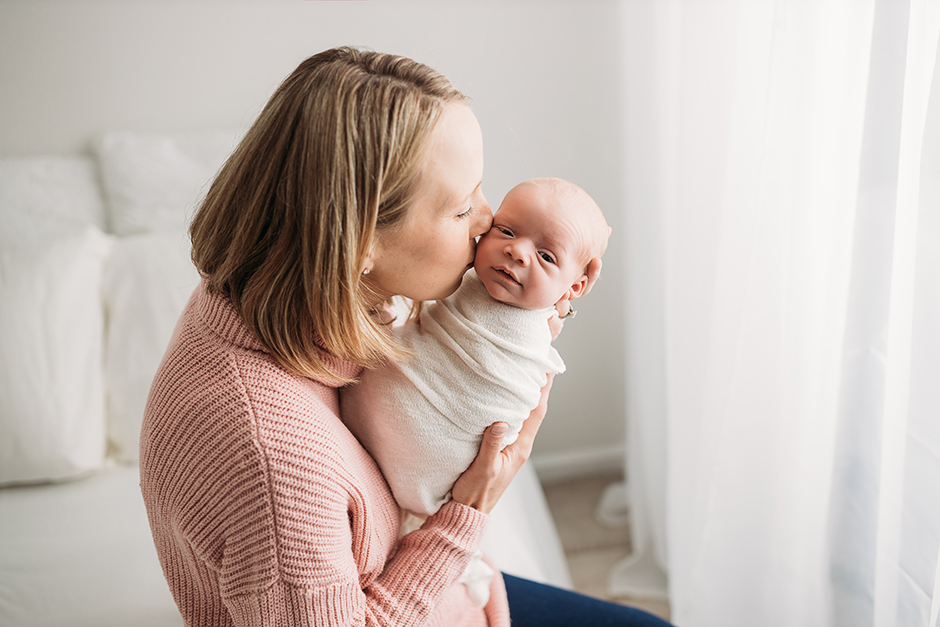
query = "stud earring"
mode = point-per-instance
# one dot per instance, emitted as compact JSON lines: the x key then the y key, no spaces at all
{"x":366,"y":271}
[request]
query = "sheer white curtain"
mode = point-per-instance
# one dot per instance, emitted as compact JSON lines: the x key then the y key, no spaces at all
{"x":783,"y":208}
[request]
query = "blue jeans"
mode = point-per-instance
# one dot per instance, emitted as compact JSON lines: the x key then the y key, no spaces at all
{"x":535,"y":604}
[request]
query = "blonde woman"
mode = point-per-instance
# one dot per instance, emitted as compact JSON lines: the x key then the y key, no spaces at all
{"x":360,"y":180}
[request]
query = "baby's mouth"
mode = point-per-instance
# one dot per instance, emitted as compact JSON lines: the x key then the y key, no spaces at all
{"x":508,"y":275}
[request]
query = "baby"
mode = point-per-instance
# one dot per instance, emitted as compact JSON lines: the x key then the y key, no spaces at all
{"x":481,"y":355}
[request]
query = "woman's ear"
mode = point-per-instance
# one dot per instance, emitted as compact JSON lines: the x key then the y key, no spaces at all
{"x":369,"y":261}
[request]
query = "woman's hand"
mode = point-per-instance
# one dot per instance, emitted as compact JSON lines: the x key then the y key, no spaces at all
{"x":556,"y":325}
{"x":481,"y":485}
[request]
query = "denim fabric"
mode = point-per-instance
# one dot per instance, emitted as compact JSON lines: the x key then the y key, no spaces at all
{"x":534,"y":604}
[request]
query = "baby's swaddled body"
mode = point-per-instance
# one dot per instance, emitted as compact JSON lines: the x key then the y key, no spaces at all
{"x":476,"y":361}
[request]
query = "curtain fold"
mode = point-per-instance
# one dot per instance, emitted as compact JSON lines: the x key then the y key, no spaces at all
{"x":782,"y":289}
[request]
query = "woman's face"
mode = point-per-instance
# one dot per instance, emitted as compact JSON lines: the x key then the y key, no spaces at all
{"x":425,"y":256}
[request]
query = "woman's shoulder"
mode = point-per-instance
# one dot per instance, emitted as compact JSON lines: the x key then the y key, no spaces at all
{"x":216,"y":373}
{"x":224,"y":413}
{"x":211,"y":340}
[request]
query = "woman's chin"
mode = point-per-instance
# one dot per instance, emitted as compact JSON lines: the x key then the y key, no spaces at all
{"x":444,"y":293}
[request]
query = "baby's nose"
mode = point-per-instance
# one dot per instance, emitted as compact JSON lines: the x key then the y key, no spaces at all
{"x":518,"y":253}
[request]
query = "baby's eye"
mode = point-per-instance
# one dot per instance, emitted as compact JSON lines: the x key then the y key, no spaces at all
{"x":504,"y":231}
{"x":547,"y":257}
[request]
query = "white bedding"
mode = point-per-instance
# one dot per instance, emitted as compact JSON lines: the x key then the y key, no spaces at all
{"x":79,"y":554}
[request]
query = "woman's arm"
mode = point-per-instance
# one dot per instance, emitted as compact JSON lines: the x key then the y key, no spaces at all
{"x":334,"y":567}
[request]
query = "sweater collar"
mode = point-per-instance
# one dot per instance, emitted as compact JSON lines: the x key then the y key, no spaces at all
{"x":220,"y":316}
{"x":218,"y":313}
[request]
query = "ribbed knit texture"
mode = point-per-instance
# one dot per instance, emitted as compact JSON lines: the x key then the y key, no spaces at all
{"x":265,"y":510}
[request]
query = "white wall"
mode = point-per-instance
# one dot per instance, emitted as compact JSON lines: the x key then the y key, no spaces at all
{"x":543,"y":76}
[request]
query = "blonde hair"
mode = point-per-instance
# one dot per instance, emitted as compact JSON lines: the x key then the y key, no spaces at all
{"x":288,"y":222}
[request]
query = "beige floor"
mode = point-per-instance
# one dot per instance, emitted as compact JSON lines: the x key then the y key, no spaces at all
{"x":591,"y":549}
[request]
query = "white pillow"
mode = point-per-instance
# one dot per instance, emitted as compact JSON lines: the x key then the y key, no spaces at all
{"x":148,"y":282}
{"x":45,"y":197}
{"x":153,"y":182}
{"x":52,"y":403}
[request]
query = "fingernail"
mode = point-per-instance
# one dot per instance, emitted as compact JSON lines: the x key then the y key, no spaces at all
{"x":500,"y":430}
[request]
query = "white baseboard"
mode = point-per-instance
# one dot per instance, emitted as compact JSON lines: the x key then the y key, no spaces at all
{"x":584,"y":462}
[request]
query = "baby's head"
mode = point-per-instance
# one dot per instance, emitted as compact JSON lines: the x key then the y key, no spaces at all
{"x":544,"y":235}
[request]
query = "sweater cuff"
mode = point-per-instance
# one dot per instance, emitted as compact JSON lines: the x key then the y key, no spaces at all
{"x":455,"y":529}
{"x":461,"y":524}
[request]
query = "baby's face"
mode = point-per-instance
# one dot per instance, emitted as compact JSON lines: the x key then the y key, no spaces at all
{"x":534,"y":253}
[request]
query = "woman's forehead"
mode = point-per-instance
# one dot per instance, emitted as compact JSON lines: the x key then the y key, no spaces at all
{"x":453,"y":169}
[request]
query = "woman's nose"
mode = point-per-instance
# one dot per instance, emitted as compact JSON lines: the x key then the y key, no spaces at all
{"x":484,"y":219}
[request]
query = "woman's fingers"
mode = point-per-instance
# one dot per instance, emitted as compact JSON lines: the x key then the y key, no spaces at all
{"x":481,"y":485}
{"x":492,"y":444}
{"x":556,"y":324}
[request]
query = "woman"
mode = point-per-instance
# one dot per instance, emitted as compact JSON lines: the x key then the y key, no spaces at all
{"x":360,"y":180}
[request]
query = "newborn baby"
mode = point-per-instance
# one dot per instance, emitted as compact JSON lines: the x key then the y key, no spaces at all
{"x":481,"y":355}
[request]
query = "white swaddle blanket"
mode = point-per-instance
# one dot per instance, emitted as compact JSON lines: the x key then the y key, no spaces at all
{"x":476,"y":361}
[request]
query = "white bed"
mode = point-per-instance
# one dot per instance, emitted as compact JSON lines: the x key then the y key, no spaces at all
{"x":93,"y":273}
{"x":80,"y":553}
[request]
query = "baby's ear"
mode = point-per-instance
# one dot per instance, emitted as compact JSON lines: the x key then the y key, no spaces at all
{"x":578,"y":288}
{"x":593,"y":273}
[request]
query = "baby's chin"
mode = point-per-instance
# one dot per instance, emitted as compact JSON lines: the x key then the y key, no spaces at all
{"x":497,"y":293}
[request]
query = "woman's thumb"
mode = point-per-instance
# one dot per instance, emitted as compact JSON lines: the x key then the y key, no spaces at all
{"x":495,"y":434}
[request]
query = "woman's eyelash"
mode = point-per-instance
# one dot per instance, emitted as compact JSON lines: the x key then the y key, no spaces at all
{"x":466,"y":213}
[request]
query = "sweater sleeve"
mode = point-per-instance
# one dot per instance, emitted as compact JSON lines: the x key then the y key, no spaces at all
{"x":430,"y":559}
{"x":415,"y":580}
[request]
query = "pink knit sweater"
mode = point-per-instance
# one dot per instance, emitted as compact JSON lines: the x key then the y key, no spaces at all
{"x":265,"y":510}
